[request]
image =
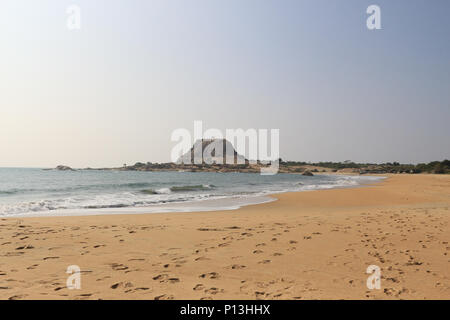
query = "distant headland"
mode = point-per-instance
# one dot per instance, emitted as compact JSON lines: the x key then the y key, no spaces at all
{"x":219,"y":160}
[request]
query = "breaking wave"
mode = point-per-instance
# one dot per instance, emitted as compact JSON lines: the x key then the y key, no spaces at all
{"x":35,"y":191}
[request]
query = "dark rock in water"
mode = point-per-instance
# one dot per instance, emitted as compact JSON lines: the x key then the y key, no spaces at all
{"x":307,"y":173}
{"x":64,"y":168}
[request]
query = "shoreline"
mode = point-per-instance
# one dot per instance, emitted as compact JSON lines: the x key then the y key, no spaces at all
{"x":222,"y":203}
{"x":306,"y":245}
{"x":206,"y":205}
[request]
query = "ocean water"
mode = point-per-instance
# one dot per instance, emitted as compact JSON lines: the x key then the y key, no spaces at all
{"x":37,"y":192}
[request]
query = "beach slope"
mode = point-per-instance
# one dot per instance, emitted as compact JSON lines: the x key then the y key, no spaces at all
{"x":306,"y":245}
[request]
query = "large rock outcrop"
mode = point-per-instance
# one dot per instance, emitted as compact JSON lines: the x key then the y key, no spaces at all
{"x":210,"y":151}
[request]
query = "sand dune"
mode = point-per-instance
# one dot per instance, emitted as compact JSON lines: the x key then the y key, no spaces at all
{"x":307,"y":245}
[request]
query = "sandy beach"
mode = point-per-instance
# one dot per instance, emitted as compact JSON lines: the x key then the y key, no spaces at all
{"x":306,"y":245}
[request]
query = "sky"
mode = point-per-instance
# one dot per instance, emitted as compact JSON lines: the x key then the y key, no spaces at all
{"x":113,"y":91}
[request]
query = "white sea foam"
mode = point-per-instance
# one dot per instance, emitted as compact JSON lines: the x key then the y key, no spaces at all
{"x":103,"y":192}
{"x":163,"y":191}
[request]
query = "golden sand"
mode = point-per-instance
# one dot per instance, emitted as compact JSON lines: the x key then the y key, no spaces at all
{"x":306,"y":245}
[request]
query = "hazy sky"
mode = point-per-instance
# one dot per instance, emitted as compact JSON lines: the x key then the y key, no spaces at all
{"x":113,"y":92}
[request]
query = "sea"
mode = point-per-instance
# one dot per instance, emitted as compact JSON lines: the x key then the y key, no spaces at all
{"x":30,"y":192}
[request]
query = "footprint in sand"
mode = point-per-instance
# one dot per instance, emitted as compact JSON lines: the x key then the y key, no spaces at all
{"x":137,"y":289}
{"x":165,"y":278}
{"x":214,"y":290}
{"x":210,"y":275}
{"x":164,"y":297}
{"x":224,"y":244}
{"x":198,"y":287}
{"x":83,"y":296}
{"x":277,"y":254}
{"x":118,"y":266}
{"x":28,"y":246}
{"x":32,"y":267}
{"x":247,"y":234}
{"x":122,"y":284}
{"x":17,"y":297}
{"x":161,"y":277}
{"x":201,"y":259}
{"x":237,"y":266}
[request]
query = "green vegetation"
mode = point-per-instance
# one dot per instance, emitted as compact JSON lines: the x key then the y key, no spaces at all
{"x":439,"y":167}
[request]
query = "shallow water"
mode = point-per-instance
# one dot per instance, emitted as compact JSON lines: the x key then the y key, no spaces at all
{"x":31,"y":192}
